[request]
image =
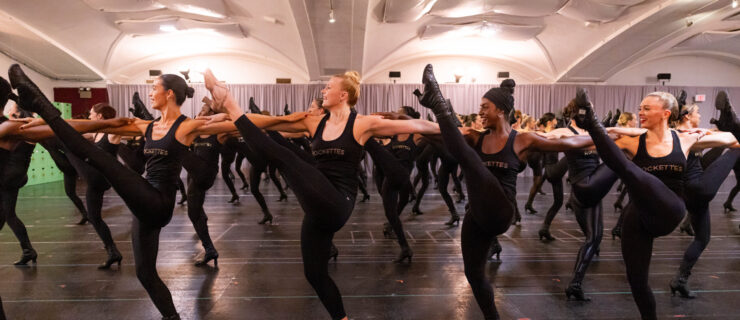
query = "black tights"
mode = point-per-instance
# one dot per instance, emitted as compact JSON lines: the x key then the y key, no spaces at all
{"x":326,"y":211}
{"x":69,"y":172}
{"x":446,"y":170}
{"x":490,"y":213}
{"x":654,"y":210}
{"x":395,"y":188}
{"x":94,"y":193}
{"x":238,"y":167}
{"x":201,"y":177}
{"x":152,"y":206}
{"x":702,"y":190}
{"x":8,"y":200}
{"x":227,"y":158}
{"x":554,"y":174}
{"x":735,"y":189}
{"x":586,"y":202}
{"x":422,"y":168}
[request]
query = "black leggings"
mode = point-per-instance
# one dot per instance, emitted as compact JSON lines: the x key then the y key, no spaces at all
{"x":257,"y":166}
{"x":151,"y":204}
{"x":422,"y":168}
{"x":70,"y":175}
{"x":227,"y":158}
{"x":554,"y":174}
{"x":700,"y":193}
{"x":238,"y":167}
{"x":326,"y":211}
{"x":489,"y":214}
{"x":654,"y":210}
{"x":446,"y":170}
{"x":395,"y":188}
{"x":8,"y":200}
{"x":96,"y":187}
{"x":272,"y":172}
{"x":586,"y":196}
{"x":201,"y":177}
{"x":735,"y":189}
{"x":133,"y":157}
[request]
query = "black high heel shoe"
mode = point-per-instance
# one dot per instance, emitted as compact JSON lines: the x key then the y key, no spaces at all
{"x":416,"y":212}
{"x":333,"y":252}
{"x":406,"y":253}
{"x":388,"y":231}
{"x":728,"y":121}
{"x":283,"y":196}
{"x":545,"y":233}
{"x":680,"y":285}
{"x":28,"y":255}
{"x":365,"y":197}
{"x":617,"y":232}
{"x":454,"y":219}
{"x":234,"y":199}
{"x":728,"y":207}
{"x":686,"y":227}
{"x":82,"y":221}
{"x":113,"y":257}
{"x":266,"y":218}
{"x":529,"y":209}
{"x":211,"y":254}
{"x":244,"y":187}
{"x":575,"y":291}
{"x":172,"y":317}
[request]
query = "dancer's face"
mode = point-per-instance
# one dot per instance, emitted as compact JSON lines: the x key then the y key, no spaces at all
{"x":94,"y":115}
{"x":333,"y":93}
{"x":694,"y":118}
{"x":159,"y":96}
{"x":314,"y":109}
{"x":652,"y":114}
{"x":489,"y":113}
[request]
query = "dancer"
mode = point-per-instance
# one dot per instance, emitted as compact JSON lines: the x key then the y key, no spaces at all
{"x":228,"y":150}
{"x":151,"y":199}
{"x":555,"y":170}
{"x":702,"y":184}
{"x":205,"y":152}
{"x":490,"y":167}
{"x":655,"y":183}
{"x":97,"y":184}
{"x":326,"y":191}
{"x":590,"y":182}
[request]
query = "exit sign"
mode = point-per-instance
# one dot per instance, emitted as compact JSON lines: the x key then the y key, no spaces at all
{"x":700,"y":98}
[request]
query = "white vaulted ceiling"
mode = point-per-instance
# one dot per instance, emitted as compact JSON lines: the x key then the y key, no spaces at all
{"x":544,"y":40}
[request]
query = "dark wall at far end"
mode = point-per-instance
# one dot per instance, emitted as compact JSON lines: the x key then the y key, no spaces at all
{"x":79,"y":105}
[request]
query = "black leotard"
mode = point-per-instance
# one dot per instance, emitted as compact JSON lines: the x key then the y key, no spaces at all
{"x":404,"y":150}
{"x":164,"y":156}
{"x":504,"y":164}
{"x":669,"y":169}
{"x":581,"y":163}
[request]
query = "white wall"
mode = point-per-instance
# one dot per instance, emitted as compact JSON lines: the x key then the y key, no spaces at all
{"x":684,"y":70}
{"x":229,"y":69}
{"x":45,"y":84}
{"x":445,"y":69}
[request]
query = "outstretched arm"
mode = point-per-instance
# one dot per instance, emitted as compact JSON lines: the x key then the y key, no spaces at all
{"x":377,"y":126}
{"x":714,"y":140}
{"x":38,"y":133}
{"x":533,"y":142}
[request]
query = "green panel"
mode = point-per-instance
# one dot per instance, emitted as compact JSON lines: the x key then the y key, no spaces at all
{"x":42,"y":168}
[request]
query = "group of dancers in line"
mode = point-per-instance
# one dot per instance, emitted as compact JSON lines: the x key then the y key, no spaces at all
{"x":318,"y":153}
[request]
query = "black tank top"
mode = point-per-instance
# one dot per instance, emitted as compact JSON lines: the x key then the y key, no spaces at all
{"x":4,"y":154}
{"x":14,"y":174}
{"x":581,"y":163}
{"x":505,"y":164}
{"x":404,"y":150}
{"x":694,"y":169}
{"x":105,"y":144}
{"x":164,"y":156}
{"x":338,"y":159}
{"x":669,"y":169}
{"x":207,"y":149}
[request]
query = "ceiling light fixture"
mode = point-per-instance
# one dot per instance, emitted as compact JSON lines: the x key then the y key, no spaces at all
{"x":167,"y":28}
{"x":488,"y":30}
{"x":331,"y":12}
{"x":734,"y":4}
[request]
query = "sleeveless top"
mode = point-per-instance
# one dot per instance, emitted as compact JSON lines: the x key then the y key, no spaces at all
{"x":16,"y":166}
{"x":207,"y":149}
{"x":404,"y":150}
{"x":105,"y":144}
{"x":164,"y":156}
{"x":338,"y":159}
{"x":581,"y":163}
{"x":669,"y":169}
{"x":505,"y":164}
{"x":693,"y":166}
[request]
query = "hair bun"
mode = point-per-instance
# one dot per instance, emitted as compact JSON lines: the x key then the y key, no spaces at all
{"x":508,"y":85}
{"x":353,"y":76}
{"x":189,"y":92}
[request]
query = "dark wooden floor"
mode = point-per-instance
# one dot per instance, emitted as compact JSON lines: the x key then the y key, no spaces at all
{"x":261,"y":275}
